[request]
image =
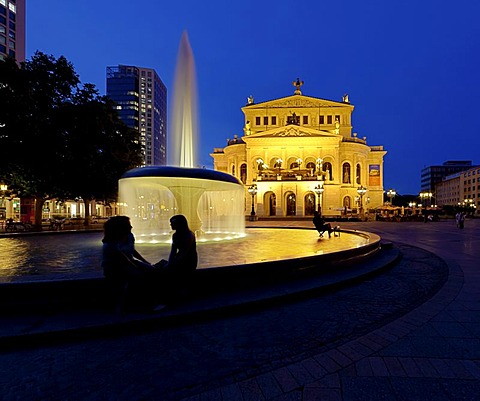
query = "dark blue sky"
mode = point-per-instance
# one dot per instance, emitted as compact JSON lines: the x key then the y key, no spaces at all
{"x":411,"y":68}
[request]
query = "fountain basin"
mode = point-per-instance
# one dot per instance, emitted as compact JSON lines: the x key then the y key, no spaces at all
{"x":213,"y":202}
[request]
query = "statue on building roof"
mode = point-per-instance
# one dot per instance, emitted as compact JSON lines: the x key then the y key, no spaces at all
{"x":250,"y":100}
{"x":345,"y":98}
{"x":247,"y":129}
{"x":297,"y":84}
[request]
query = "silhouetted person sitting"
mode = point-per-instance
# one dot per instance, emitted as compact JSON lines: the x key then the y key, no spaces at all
{"x":183,"y":258}
{"x":131,"y":278}
{"x":321,"y":225}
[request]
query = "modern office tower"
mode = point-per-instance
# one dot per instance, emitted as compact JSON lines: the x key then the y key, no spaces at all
{"x":141,"y":101}
{"x":12,"y":29}
{"x":432,"y":175}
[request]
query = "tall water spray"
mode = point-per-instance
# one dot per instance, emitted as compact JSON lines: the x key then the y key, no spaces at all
{"x":212,"y":201}
{"x":184,"y":128}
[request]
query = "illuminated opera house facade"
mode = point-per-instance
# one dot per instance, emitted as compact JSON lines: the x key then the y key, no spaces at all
{"x":298,"y":154}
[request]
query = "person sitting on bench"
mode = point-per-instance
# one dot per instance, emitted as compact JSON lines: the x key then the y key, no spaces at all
{"x":321,"y":225}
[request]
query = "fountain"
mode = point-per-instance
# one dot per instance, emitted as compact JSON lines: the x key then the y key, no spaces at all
{"x":213,"y":202}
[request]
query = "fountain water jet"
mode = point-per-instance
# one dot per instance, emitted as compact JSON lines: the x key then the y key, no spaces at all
{"x":213,"y":202}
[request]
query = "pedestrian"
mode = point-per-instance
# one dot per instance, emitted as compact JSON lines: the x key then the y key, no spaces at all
{"x":321,"y":225}
{"x":133,"y":281}
{"x":183,"y":259}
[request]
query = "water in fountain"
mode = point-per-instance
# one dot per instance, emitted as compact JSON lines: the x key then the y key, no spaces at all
{"x":213,"y":202}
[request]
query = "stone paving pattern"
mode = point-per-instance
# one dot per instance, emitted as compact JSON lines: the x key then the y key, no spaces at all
{"x":412,"y":333}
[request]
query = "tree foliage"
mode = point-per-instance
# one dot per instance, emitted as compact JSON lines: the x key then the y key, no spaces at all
{"x":58,"y":138}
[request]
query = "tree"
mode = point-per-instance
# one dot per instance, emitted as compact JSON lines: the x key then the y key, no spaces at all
{"x":33,"y":143}
{"x":99,"y":148}
{"x":57,"y":139}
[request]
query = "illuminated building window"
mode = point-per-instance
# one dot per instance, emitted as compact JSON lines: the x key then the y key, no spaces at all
{"x":12,"y":7}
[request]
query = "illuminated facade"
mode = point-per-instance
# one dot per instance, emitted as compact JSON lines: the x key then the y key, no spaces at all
{"x":300,"y":153}
{"x":12,"y":29}
{"x":462,"y":188}
{"x":141,"y":99}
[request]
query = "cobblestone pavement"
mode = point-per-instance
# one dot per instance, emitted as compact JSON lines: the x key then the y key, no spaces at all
{"x":412,"y":333}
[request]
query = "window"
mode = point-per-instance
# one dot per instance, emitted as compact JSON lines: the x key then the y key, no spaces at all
{"x":346,"y":173}
{"x":327,"y":168}
{"x":329,"y":119}
{"x":358,"y":174}
{"x":3,"y":40}
{"x":305,"y":119}
{"x":274,"y":120}
{"x":243,"y":173}
{"x":322,"y":119}
{"x":337,"y":117}
{"x":257,"y":121}
{"x":265,"y":120}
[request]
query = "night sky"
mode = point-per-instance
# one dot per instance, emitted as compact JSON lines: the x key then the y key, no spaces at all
{"x":411,"y":68}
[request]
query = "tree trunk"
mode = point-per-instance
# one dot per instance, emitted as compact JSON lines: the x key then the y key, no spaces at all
{"x":88,"y":218}
{"x":39,"y":202}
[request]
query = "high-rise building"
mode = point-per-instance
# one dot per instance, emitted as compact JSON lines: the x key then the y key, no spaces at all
{"x":141,"y":101}
{"x":12,"y":29}
{"x":432,"y":175}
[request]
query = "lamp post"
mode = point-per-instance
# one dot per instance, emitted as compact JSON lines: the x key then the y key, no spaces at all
{"x":391,"y":194}
{"x":361,"y":190}
{"x":426,"y":195}
{"x":319,"y":191}
{"x":252,"y":190}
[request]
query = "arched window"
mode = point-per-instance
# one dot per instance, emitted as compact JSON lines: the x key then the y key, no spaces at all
{"x":243,"y":173}
{"x":327,"y":168}
{"x":311,"y":166}
{"x":309,"y":204}
{"x":358,"y":175}
{"x":294,"y":165}
{"x":233,"y":169}
{"x":291,"y":203}
{"x":270,"y":204}
{"x":346,"y":173}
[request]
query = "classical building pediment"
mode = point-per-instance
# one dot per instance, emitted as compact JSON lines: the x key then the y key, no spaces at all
{"x":292,"y":131}
{"x":297,"y":101}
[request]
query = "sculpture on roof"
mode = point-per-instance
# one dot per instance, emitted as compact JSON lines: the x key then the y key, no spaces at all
{"x":297,"y":84}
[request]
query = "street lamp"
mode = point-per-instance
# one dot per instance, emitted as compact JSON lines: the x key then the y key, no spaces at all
{"x":319,"y":191}
{"x":391,"y":194}
{"x":252,"y":190}
{"x":361,"y":190}
{"x":426,"y":195}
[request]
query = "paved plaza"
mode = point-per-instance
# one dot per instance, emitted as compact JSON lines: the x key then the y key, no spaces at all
{"x":411,"y":333}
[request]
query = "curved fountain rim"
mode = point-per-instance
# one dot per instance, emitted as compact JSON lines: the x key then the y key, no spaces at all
{"x":345,"y":256}
{"x":180,"y":172}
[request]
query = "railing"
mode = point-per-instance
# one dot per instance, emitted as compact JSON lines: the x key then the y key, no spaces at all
{"x":288,"y":175}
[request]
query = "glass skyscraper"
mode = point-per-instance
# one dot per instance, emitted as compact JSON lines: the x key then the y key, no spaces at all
{"x":141,"y":102}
